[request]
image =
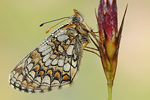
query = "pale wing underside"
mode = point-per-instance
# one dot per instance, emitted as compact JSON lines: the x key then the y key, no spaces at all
{"x":51,"y":65}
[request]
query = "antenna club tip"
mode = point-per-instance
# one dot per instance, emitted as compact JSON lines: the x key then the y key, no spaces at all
{"x":48,"y":30}
{"x":41,"y":24}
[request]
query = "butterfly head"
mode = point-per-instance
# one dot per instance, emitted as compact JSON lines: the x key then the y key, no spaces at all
{"x":77,"y":16}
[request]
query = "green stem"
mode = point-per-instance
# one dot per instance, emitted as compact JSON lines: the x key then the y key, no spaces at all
{"x":109,"y":91}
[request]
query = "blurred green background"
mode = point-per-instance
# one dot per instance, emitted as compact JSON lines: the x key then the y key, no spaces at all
{"x":20,"y":33}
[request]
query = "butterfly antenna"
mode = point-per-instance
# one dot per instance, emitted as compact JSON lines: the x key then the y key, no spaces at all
{"x":54,"y":20}
{"x":55,"y":25}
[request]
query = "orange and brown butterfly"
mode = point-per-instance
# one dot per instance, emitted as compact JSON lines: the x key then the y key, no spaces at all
{"x":55,"y":62}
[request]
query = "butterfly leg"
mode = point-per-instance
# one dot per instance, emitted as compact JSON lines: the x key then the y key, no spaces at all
{"x":85,"y":44}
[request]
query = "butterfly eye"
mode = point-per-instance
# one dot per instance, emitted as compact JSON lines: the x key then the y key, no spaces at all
{"x":76,"y":19}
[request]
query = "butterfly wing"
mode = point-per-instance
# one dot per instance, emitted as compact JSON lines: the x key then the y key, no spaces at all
{"x":51,"y":65}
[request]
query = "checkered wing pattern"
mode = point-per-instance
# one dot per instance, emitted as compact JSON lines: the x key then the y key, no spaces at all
{"x":51,"y":65}
{"x":54,"y":63}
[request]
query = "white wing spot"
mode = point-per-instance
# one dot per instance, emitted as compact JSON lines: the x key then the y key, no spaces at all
{"x":74,"y":63}
{"x":17,"y":85}
{"x":53,"y":56}
{"x":46,"y":57}
{"x":62,"y":38}
{"x":20,"y":78}
{"x":60,"y":48}
{"x":38,"y":79}
{"x":46,"y":79}
{"x":30,"y":66}
{"x":29,"y":60}
{"x":54,"y":62}
{"x":67,"y":67}
{"x":43,"y":47}
{"x":60,"y":62}
{"x":13,"y":80}
{"x":68,"y":42}
{"x":46,"y":51}
{"x":32,"y":73}
{"x":47,"y":63}
{"x":70,"y":49}
{"x":16,"y":75}
{"x":55,"y":82}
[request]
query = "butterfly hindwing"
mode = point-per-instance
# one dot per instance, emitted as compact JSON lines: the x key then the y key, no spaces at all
{"x":53,"y":64}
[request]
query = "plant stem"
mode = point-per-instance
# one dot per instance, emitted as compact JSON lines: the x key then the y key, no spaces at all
{"x":109,"y":91}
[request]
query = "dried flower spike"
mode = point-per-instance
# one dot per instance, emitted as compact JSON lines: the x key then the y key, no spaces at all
{"x":109,"y":39}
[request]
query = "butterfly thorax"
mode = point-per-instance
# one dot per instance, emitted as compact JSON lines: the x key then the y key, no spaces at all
{"x":82,"y":32}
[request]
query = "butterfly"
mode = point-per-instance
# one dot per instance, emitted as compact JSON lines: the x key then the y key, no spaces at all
{"x":55,"y":62}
